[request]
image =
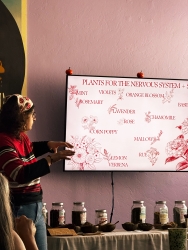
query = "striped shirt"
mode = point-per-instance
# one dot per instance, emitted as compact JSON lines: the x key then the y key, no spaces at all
{"x":19,"y":164}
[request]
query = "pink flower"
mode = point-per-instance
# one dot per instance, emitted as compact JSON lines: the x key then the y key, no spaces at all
{"x":152,"y":155}
{"x":87,"y":153}
{"x":91,"y":149}
{"x":98,"y":157}
{"x":94,"y":119}
{"x":73,"y":90}
{"x":90,"y":158}
{"x":85,"y":119}
{"x":79,"y":156}
{"x":176,"y":147}
{"x":77,"y":144}
{"x":84,"y":142}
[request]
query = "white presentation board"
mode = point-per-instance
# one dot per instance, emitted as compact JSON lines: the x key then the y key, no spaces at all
{"x":127,"y":123}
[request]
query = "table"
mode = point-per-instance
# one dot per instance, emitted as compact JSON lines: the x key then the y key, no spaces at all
{"x":117,"y":240}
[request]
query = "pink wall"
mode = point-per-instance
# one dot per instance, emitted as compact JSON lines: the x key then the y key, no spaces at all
{"x":103,"y":37}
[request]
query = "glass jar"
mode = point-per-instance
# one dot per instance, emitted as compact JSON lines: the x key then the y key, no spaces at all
{"x":161,"y":213}
{"x":79,"y":213}
{"x":45,"y":213}
{"x":101,"y":216}
{"x":57,"y":214}
{"x":138,"y":212}
{"x":178,"y":212}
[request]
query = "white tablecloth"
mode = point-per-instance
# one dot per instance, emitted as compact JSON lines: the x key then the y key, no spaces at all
{"x":116,"y":240}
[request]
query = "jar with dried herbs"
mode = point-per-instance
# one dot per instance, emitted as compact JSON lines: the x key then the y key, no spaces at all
{"x":161,"y":213}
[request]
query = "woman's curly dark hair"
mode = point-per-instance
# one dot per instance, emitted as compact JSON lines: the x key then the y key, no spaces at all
{"x":12,"y":121}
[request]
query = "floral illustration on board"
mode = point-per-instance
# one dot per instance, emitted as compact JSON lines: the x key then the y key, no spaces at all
{"x":88,"y":122}
{"x":148,"y":117}
{"x":112,"y":108}
{"x":72,"y":91}
{"x":120,"y":121}
{"x":120,"y":94}
{"x":152,"y":155}
{"x":78,"y":102}
{"x":157,"y":138}
{"x":87,"y":153}
{"x":107,"y":156}
{"x":178,"y":148}
{"x":168,"y":96}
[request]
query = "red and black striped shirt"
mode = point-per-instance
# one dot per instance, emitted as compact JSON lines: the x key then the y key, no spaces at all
{"x":19,"y":164}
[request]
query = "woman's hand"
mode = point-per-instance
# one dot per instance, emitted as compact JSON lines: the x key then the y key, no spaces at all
{"x":24,"y":227}
{"x":60,"y":155}
{"x":54,"y":145}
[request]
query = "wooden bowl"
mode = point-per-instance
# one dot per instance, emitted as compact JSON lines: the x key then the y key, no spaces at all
{"x":89,"y":228}
{"x":128,"y":226}
{"x":145,"y":226}
{"x":109,"y":227}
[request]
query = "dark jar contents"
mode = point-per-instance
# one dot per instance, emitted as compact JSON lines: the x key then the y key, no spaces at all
{"x":79,"y":213}
{"x":177,"y":218}
{"x":54,"y":217}
{"x":57,"y":215}
{"x":179,"y":210}
{"x":138,"y":212}
{"x":157,"y":218}
{"x":77,"y":217}
{"x":135,"y":216}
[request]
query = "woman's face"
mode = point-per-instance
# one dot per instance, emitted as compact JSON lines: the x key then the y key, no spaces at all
{"x":30,"y":120}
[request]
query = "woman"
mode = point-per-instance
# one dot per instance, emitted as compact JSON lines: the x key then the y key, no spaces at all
{"x":19,"y":163}
{"x":9,"y":239}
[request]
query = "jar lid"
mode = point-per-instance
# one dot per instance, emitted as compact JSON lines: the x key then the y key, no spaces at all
{"x":138,"y":202}
{"x":180,"y":202}
{"x":79,"y":203}
{"x":57,"y":203}
{"x":160,"y":202}
{"x":101,"y":210}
